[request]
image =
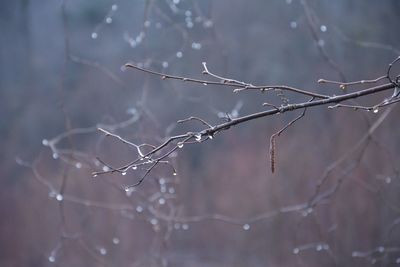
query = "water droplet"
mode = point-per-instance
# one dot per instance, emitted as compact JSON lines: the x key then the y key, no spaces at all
{"x":293,"y":24}
{"x":123,"y":173}
{"x":375,"y":110}
{"x":179,"y":54}
{"x":163,"y":189}
{"x":78,"y":165}
{"x":319,"y":247}
{"x":55,"y":155}
{"x":129,"y":191}
{"x":115,"y":241}
{"x":52,"y":258}
{"x":198,"y":137}
{"x":171,"y":190}
{"x":174,"y":174}
{"x":161,"y":201}
{"x":323,"y":28}
{"x":154,"y":221}
{"x":188,"y":13}
{"x":106,"y":168}
{"x":147,"y":23}
{"x":208,"y":24}
{"x":161,"y":181}
{"x":185,"y":226}
{"x":132,"y":42}
{"x":139,"y":209}
{"x":210,"y":136}
{"x":94,"y":175}
{"x":246,"y":227}
{"x":114,"y":7}
{"x":196,"y":46}
{"x":205,"y":83}
{"x":134,"y":167}
{"x":355,"y":254}
{"x":321,"y":42}
{"x":165,"y":64}
{"x":94,"y":35}
{"x":103,"y":251}
{"x":296,"y":251}
{"x":59,"y":197}
{"x":381,"y":249}
{"x":180,"y":145}
{"x":189,"y":24}
{"x":45,"y":142}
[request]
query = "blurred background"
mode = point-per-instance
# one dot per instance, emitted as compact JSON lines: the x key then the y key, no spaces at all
{"x":217,"y":203}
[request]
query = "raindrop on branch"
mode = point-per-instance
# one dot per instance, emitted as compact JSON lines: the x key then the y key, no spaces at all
{"x":161,"y":201}
{"x":246,"y":227}
{"x":45,"y":142}
{"x":94,"y":35}
{"x":179,"y":54}
{"x":198,"y":137}
{"x":296,"y":251}
{"x":323,"y":28}
{"x":139,"y":209}
{"x":103,"y":251}
{"x":59,"y":197}
{"x":52,"y":258}
{"x":115,"y":241}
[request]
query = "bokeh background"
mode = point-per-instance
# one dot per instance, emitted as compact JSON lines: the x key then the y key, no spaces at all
{"x":62,"y":76}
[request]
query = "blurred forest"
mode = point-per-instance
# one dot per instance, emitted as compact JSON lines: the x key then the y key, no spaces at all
{"x":216,"y":203}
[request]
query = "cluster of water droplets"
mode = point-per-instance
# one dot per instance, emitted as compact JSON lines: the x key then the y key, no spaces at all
{"x":318,"y":247}
{"x":108,"y":19}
